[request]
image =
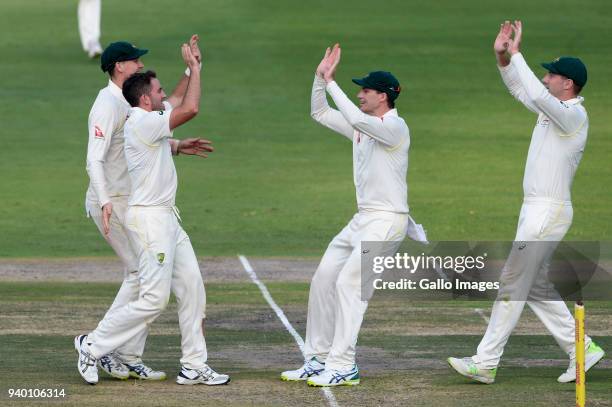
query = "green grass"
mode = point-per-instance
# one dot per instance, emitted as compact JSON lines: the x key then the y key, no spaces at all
{"x":401,"y":351}
{"x":278,"y":183}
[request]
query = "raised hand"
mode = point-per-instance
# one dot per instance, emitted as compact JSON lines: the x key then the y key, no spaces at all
{"x":334,"y":60}
{"x":195,"y":49}
{"x":189,"y":58}
{"x":195,"y":146}
{"x":515,"y":44}
{"x":324,"y":64}
{"x":502,"y":42}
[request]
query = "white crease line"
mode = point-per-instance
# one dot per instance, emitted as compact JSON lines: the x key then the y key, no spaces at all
{"x":331,"y":400}
{"x":480,"y":312}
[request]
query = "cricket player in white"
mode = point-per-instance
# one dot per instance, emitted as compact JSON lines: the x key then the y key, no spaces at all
{"x":557,"y":144}
{"x":107,"y":195}
{"x":166,"y":257}
{"x":380,"y":141}
{"x":89,"y":16}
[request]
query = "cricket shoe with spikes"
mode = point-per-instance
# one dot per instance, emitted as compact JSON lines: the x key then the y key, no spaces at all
{"x":113,"y":367}
{"x":204,"y":375}
{"x":143,"y":372}
{"x":592,"y":356}
{"x":468,"y":368}
{"x":333,"y":377}
{"x":86,"y":362}
{"x":310,"y":368}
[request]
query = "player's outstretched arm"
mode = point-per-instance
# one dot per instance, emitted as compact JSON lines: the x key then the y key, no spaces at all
{"x":391,"y":132}
{"x":176,"y":98}
{"x":319,"y":108}
{"x":190,"y":104}
{"x":195,"y":146}
{"x":503,"y":45}
{"x":569,"y":118}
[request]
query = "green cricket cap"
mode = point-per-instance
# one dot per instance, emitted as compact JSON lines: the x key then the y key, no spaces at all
{"x":570,"y":67}
{"x":119,"y":51}
{"x":381,"y":81}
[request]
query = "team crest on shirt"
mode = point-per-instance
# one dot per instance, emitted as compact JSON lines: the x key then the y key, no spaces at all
{"x":98,"y":133}
{"x":160,"y":258}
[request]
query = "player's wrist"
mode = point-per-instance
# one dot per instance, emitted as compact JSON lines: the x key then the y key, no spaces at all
{"x":196,"y":67}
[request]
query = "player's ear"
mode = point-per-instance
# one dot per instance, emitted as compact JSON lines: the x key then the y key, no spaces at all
{"x":144,"y":100}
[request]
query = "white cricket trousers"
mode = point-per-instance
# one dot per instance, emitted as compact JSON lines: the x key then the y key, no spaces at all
{"x":89,"y":12}
{"x":117,"y":238}
{"x":166,"y":262}
{"x":542,"y":225}
{"x":335,"y":304}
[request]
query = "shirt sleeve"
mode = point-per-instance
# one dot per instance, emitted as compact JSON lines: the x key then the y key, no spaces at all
{"x":511,"y":80}
{"x":101,"y":126}
{"x":568,"y":117}
{"x":154,"y":127}
{"x":389,"y":131}
{"x":324,"y":114}
{"x":174,"y":145}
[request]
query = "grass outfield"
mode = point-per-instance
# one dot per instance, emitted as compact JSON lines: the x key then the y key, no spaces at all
{"x":402,"y":350}
{"x":279,"y":184}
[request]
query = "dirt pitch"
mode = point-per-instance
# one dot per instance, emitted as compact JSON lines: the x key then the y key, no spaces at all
{"x":401,"y":354}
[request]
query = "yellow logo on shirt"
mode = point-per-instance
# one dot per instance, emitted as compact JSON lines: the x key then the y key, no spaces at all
{"x":160,"y":257}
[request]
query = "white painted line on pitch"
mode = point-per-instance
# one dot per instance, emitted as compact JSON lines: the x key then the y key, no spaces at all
{"x":331,"y":400}
{"x":480,"y":312}
{"x":441,"y":274}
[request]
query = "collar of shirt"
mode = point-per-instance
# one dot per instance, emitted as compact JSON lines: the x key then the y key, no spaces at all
{"x":574,"y":101}
{"x":137,"y":111}
{"x":392,"y":112}
{"x":116,"y":92}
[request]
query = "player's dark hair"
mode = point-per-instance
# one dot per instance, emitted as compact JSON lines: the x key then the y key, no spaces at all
{"x":111,"y":71}
{"x":577,"y":89}
{"x":137,"y":85}
{"x":390,"y":103}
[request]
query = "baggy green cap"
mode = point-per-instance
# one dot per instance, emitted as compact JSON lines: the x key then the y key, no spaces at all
{"x":570,"y":67}
{"x":119,"y":51}
{"x":381,"y":81}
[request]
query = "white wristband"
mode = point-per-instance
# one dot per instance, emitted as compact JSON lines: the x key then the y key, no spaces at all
{"x":188,"y":71}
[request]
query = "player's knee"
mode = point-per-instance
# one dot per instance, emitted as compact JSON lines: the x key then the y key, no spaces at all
{"x":348,"y":285}
{"x":321,"y":278}
{"x":156,"y":302}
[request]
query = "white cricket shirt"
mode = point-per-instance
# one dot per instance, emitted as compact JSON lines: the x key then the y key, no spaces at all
{"x":380,"y":148}
{"x":105,"y":159}
{"x":558,"y":138}
{"x":149,"y":158}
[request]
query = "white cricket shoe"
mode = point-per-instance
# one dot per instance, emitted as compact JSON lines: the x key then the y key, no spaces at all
{"x":144,"y":372}
{"x":113,"y":367}
{"x":310,"y":368}
{"x":592,"y":356}
{"x":201,"y":376}
{"x":333,"y":377}
{"x":86,"y":363}
{"x":468,"y":368}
